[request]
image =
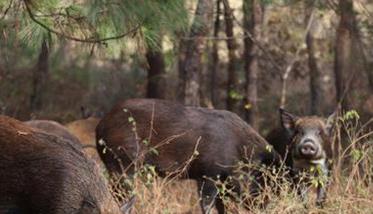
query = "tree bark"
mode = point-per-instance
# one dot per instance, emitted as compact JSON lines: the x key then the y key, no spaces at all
{"x":252,"y":20}
{"x":316,"y":91}
{"x":232,"y":47}
{"x":343,"y":50}
{"x":156,"y":87}
{"x":40,"y":78}
{"x":214,"y":66}
{"x":181,"y":70}
{"x":194,"y":49}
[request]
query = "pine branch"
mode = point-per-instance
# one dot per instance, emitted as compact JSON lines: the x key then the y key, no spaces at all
{"x":6,"y":10}
{"x":69,"y":37}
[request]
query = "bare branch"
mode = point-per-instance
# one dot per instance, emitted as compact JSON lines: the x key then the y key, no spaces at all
{"x":257,"y":43}
{"x":289,"y":68}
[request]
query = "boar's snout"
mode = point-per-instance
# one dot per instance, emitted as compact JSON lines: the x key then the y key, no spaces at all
{"x":308,"y":149}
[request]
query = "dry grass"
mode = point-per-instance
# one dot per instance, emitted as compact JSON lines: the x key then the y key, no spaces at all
{"x":350,"y":191}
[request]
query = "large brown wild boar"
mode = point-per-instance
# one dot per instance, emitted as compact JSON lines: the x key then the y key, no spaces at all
{"x":53,"y":127}
{"x":42,"y":173}
{"x":84,"y":130}
{"x":305,"y":143}
{"x":132,"y":128}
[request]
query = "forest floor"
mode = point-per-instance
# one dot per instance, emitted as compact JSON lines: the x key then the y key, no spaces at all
{"x":349,"y":194}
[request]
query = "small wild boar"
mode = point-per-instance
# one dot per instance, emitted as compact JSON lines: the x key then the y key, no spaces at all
{"x":53,"y":127}
{"x":133,"y":130}
{"x":306,"y":145}
{"x":84,"y":130}
{"x":43,"y":173}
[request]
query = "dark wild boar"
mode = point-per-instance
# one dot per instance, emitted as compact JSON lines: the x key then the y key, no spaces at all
{"x":79,"y":132}
{"x":53,"y":127}
{"x":306,"y":145}
{"x":221,"y":138}
{"x":42,"y":173}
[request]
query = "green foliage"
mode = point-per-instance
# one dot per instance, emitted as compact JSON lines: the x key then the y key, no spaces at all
{"x":357,"y":154}
{"x":147,"y":174}
{"x":235,"y":95}
{"x":351,"y":115}
{"x":96,"y":19}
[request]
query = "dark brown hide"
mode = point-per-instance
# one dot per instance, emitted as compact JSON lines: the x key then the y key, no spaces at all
{"x":84,"y":130}
{"x":42,"y":173}
{"x":297,"y":137}
{"x":221,"y":138}
{"x":53,"y":127}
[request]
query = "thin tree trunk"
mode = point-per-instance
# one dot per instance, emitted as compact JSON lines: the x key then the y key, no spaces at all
{"x":194,"y":50}
{"x":252,"y":20}
{"x":181,"y":70}
{"x":40,"y":78}
{"x":314,"y":72}
{"x":343,"y":48}
{"x":214,"y":66}
{"x":156,"y":87}
{"x":232,"y":47}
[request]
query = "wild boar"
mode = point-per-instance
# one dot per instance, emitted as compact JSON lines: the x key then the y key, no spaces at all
{"x":306,"y":145}
{"x":84,"y":130}
{"x":166,"y":135}
{"x":43,"y":173}
{"x":53,"y":127}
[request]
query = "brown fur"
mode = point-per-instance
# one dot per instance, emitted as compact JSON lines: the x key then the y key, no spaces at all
{"x":314,"y":122}
{"x":225,"y":139}
{"x":287,"y":141}
{"x":43,"y":173}
{"x":53,"y":127}
{"x":84,"y":130}
{"x":282,"y":142}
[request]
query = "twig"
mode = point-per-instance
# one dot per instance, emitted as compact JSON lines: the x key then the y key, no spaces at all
{"x":151,"y":123}
{"x":183,"y":168}
{"x":289,"y":68}
{"x":87,"y":40}
{"x":257,"y":43}
{"x":6,"y":10}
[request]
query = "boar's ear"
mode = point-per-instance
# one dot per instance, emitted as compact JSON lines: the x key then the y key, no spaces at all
{"x":127,"y":207}
{"x":288,"y":120}
{"x":331,"y":123}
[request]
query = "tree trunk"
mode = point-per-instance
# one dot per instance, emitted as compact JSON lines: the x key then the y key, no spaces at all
{"x":252,"y":20}
{"x":156,"y":87}
{"x":194,"y":49}
{"x":232,"y":47}
{"x":343,"y":48}
{"x":314,"y":72}
{"x":181,"y":71}
{"x":214,"y":66}
{"x":40,"y":78}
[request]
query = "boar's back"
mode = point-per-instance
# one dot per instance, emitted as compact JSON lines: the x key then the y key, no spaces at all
{"x":223,"y":138}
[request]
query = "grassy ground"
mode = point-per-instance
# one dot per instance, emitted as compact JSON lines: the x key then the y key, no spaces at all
{"x":347,"y":194}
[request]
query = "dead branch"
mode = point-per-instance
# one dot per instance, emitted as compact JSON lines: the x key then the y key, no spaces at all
{"x":257,"y":43}
{"x":289,"y":68}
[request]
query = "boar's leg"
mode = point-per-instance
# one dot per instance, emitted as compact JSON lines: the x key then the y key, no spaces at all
{"x":321,"y":196}
{"x":303,"y":191}
{"x":126,"y":208}
{"x":322,"y":187}
{"x":209,"y":197}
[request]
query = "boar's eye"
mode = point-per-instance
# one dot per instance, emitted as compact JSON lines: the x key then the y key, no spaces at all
{"x":299,"y":132}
